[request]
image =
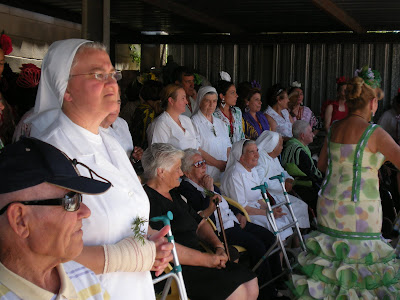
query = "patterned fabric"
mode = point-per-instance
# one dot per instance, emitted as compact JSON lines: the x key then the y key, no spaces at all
{"x":253,"y":128}
{"x":283,"y":124}
{"x":396,"y":227}
{"x":308,"y":116}
{"x":346,"y":258}
{"x":77,"y":282}
{"x":292,"y":153}
{"x":235,"y":133}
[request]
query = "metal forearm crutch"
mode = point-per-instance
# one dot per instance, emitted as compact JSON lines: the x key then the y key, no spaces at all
{"x":281,"y":177}
{"x":271,"y":219}
{"x":176,"y":271}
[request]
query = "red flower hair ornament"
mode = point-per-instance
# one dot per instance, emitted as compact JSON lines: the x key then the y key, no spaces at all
{"x":29,"y":76}
{"x":5,"y":43}
{"x":341,"y":80}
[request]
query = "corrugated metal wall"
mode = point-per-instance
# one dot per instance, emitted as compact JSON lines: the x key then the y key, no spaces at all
{"x":316,"y":66}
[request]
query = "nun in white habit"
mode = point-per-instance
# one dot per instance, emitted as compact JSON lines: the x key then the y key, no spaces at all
{"x":213,"y":137}
{"x":70,"y":105}
{"x":238,"y":180}
{"x":270,"y":145}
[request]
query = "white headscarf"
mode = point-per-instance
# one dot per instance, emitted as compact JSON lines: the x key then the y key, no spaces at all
{"x":235,"y":154}
{"x":53,"y":83}
{"x":267,"y":141}
{"x":204,"y":90}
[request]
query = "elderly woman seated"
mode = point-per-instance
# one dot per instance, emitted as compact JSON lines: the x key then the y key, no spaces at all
{"x":207,"y":276}
{"x":240,"y":176}
{"x":296,"y":152}
{"x":256,"y":239}
{"x":270,"y":145}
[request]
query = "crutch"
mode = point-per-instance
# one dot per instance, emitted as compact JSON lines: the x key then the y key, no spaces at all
{"x":281,"y":177}
{"x":271,"y":219}
{"x":176,"y":271}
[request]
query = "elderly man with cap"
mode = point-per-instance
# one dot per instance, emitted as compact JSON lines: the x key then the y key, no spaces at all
{"x":72,"y":102}
{"x":41,"y":214}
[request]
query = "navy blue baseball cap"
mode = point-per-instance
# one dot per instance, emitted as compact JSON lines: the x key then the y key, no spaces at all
{"x":30,"y":162}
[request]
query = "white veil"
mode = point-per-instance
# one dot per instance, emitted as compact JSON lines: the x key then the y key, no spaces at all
{"x":53,"y":83}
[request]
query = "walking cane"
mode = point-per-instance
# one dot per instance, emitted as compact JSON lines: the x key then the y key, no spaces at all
{"x":221,"y":224}
{"x":176,"y":271}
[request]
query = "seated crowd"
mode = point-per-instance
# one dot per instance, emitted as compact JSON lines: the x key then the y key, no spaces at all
{"x":200,"y":152}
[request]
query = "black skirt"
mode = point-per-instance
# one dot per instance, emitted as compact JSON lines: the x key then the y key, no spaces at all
{"x":215,"y":284}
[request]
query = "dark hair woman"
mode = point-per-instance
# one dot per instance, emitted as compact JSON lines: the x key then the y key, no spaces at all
{"x":227,"y":110}
{"x":277,"y":112}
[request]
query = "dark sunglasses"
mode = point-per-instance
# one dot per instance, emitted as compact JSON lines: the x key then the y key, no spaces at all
{"x":200,"y":163}
{"x":70,"y":202}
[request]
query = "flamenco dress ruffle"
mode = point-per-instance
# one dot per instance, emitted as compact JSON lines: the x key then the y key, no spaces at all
{"x":352,"y":268}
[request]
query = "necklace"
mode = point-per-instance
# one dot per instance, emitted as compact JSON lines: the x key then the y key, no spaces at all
{"x":360,"y":116}
{"x":230,"y":119}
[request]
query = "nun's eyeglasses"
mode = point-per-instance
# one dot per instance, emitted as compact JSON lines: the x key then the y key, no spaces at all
{"x":116,"y":75}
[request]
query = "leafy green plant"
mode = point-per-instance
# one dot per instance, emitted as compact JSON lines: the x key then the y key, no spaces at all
{"x":137,"y":232}
{"x":135,"y":54}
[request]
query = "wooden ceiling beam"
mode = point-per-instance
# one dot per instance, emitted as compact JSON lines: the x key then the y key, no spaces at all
{"x":194,"y":15}
{"x":128,"y":37}
{"x":339,"y":14}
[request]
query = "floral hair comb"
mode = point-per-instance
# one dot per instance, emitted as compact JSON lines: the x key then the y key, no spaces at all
{"x":296,"y":84}
{"x":371,"y":77}
{"x":341,"y":80}
{"x":256,"y":84}
{"x":5,"y":43}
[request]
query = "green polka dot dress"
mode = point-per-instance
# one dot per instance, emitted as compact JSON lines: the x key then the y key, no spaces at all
{"x":346,"y":257}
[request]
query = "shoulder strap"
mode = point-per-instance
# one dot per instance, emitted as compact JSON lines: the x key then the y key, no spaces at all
{"x":357,"y":164}
{"x":329,"y":170}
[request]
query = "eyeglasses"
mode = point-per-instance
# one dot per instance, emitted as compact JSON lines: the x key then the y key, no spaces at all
{"x":116,"y":75}
{"x":200,"y":163}
{"x":70,"y":202}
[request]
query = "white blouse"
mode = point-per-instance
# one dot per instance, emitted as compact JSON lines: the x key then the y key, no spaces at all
{"x":120,"y":131}
{"x":283,"y":124}
{"x":213,"y":139}
{"x":166,"y":130}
